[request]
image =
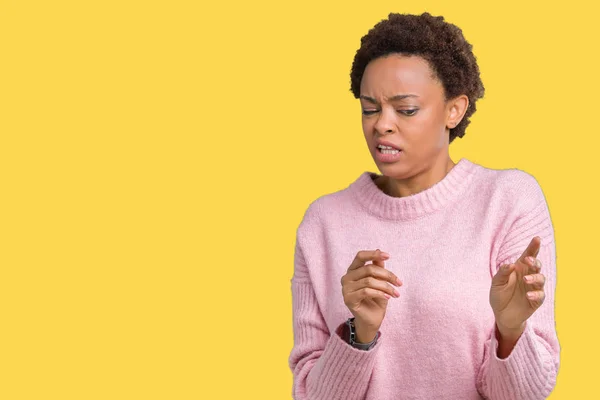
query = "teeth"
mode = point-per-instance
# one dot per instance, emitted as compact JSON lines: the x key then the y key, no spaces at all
{"x":387,"y":149}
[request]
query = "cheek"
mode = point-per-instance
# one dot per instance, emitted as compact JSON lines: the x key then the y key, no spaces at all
{"x":423,"y":126}
{"x":426,"y":132}
{"x":434,"y":125}
{"x":433,"y":119}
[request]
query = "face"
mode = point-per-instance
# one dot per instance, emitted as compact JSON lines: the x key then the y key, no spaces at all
{"x":404,"y":104}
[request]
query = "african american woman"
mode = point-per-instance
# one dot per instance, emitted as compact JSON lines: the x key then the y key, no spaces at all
{"x":431,"y":279}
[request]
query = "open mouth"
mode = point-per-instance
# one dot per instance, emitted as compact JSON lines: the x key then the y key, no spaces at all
{"x":387,"y":150}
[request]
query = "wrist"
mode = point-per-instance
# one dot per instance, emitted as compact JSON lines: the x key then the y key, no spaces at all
{"x":364,"y":333}
{"x":351,"y":337}
{"x":509,"y":334}
{"x":507,"y":339}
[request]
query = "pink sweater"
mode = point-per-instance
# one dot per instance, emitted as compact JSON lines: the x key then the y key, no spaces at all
{"x":437,"y":340}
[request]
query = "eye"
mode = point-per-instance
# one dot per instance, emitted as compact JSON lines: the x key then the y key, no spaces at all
{"x":409,"y":113}
{"x":369,"y":112}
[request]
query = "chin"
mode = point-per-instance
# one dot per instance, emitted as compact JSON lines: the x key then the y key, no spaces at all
{"x":395,"y":170}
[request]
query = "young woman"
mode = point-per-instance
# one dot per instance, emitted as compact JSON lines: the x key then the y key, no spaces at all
{"x":432,"y":279}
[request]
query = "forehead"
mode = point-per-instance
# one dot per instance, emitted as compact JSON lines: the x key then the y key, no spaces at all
{"x":395,"y":74}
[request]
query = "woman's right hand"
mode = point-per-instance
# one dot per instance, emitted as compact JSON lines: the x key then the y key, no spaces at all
{"x":367,"y":289}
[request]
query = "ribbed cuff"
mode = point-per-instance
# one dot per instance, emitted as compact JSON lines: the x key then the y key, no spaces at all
{"x":342,"y":372}
{"x":527,"y":372}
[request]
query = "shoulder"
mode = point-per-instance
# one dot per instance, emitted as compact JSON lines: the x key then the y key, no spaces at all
{"x":519,"y":209}
{"x":332,"y":205}
{"x":323,"y":206}
{"x":512,"y":187}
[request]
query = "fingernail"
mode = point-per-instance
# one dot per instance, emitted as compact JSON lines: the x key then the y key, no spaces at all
{"x":396,"y":293}
{"x":530,"y":261}
{"x":528,"y":278}
{"x":387,"y":296}
{"x":531,"y":296}
{"x":398,"y":282}
{"x":384,"y":254}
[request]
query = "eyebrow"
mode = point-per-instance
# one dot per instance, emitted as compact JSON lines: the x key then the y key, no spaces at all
{"x":393,"y":98}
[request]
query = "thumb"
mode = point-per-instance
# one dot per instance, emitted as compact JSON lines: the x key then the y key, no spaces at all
{"x":380,"y":258}
{"x":503,"y":274}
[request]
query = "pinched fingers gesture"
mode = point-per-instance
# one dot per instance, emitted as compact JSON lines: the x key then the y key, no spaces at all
{"x":518,"y":289}
{"x":367,"y":287}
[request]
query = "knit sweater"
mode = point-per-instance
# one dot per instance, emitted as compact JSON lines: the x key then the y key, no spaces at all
{"x":437,"y":340}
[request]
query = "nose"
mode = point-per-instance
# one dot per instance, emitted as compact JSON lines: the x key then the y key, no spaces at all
{"x":385,"y":123}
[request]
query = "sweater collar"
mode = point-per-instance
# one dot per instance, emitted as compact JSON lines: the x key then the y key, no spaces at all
{"x":376,"y":202}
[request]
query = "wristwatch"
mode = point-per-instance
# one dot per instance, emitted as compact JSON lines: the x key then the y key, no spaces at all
{"x":352,"y":337}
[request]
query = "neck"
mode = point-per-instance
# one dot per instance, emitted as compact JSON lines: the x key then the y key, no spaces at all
{"x":419,"y":182}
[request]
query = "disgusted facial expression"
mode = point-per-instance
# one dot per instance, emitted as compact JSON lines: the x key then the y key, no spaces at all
{"x":404,"y":105}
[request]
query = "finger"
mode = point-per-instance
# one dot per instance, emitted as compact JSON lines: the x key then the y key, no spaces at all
{"x":535,"y":281}
{"x":379,"y":261}
{"x":531,"y":265}
{"x":365,"y":293}
{"x":373,"y":283}
{"x":536,"y":297}
{"x":376,"y":272}
{"x":532,"y":249}
{"x":503,"y":274}
{"x":363,"y":256}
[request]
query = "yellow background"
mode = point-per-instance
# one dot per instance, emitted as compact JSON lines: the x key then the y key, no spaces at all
{"x":156,"y":158}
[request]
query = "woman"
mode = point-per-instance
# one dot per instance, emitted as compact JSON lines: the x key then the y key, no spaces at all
{"x":433,"y":279}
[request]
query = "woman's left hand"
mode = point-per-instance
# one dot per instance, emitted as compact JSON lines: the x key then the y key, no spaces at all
{"x":517,"y":291}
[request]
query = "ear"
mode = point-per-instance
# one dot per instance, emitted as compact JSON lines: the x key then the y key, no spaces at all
{"x":456,"y":110}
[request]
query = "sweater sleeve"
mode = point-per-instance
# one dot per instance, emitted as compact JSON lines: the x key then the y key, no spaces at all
{"x":323,"y":365}
{"x":530,"y":370}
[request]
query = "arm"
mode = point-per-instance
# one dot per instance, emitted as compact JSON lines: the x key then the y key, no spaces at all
{"x":525,"y":368}
{"x":323,"y":365}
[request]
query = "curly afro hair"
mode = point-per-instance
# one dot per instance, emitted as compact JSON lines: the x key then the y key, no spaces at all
{"x":440,"y":43}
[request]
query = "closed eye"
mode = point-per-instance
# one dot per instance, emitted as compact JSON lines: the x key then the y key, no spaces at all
{"x":409,"y":113}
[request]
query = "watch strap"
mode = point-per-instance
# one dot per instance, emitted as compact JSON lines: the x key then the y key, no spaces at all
{"x":352,"y":337}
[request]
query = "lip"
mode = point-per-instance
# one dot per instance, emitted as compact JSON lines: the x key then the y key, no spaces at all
{"x":386,"y":143}
{"x":388,"y":158}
